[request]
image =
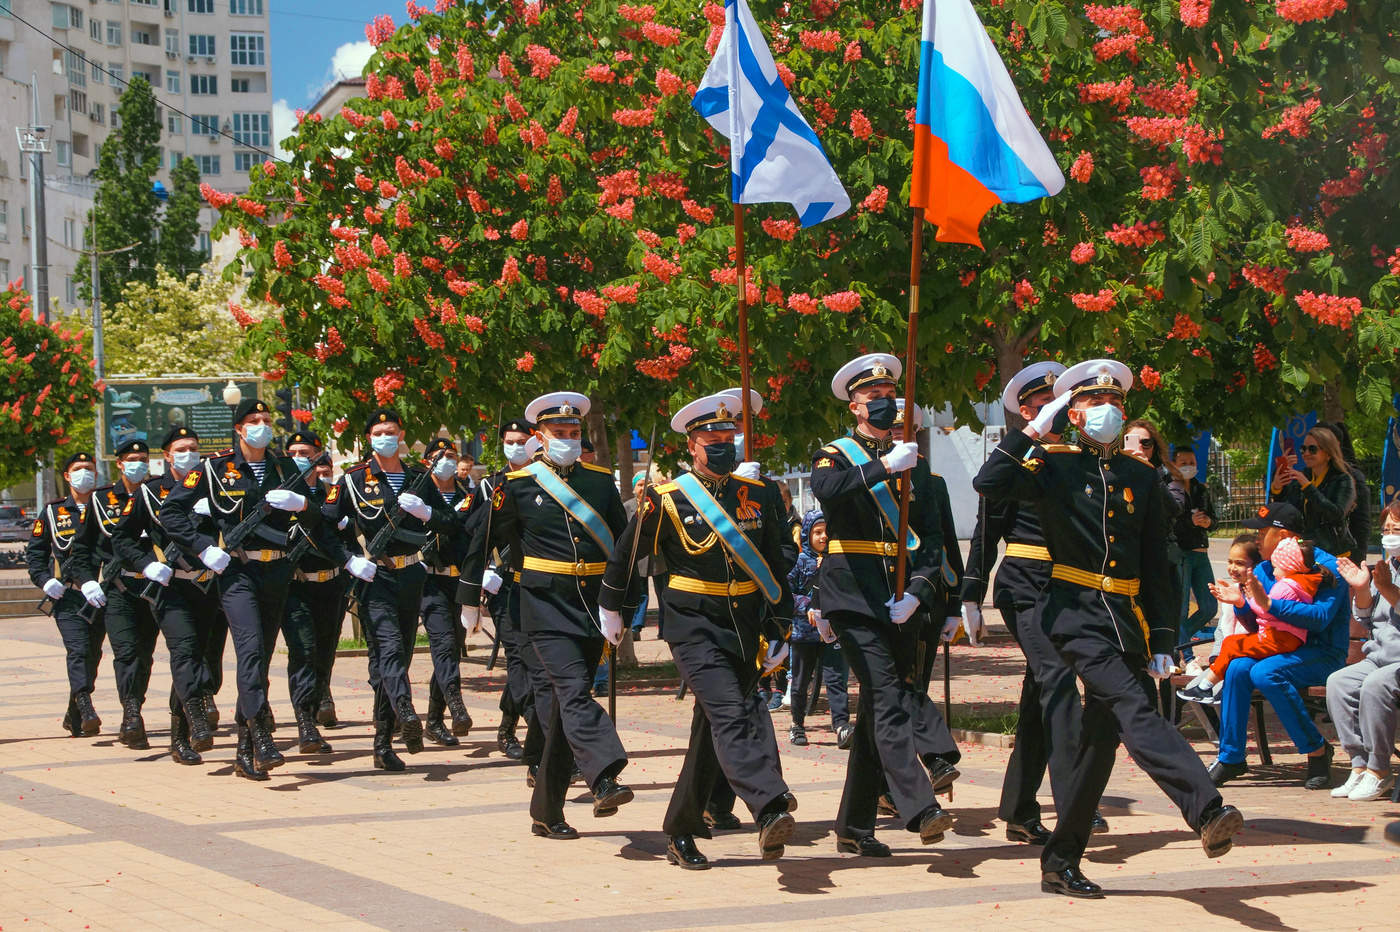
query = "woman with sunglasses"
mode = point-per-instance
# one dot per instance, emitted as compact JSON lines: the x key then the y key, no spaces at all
{"x":1323,"y":491}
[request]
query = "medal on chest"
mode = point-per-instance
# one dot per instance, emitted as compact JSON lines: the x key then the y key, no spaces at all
{"x":1128,"y":500}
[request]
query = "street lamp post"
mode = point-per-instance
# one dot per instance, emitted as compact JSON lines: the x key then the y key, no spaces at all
{"x":232,"y":396}
{"x":34,"y":142}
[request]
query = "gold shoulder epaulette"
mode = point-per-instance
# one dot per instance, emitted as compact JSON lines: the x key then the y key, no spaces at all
{"x":1061,"y":448}
{"x":830,"y":449}
{"x":596,"y":468}
{"x":758,"y":482}
{"x":518,"y":474}
{"x":665,"y":488}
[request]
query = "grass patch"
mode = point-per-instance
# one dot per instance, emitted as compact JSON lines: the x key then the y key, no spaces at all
{"x":648,"y":671}
{"x":1002,"y":724}
{"x":358,"y":643}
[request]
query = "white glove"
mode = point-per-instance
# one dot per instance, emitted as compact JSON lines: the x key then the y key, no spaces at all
{"x":491,"y":581}
{"x":93,"y":593}
{"x":471,"y":618}
{"x":747,"y":470}
{"x":201,"y":507}
{"x":54,"y":589}
{"x":360,"y":568}
{"x":777,"y":653}
{"x":158,"y":573}
{"x":343,"y":523}
{"x":950,"y":628}
{"x":285,"y":500}
{"x":415,"y":506}
{"x":611,"y":623}
{"x":824,"y":628}
{"x":1042,"y":421}
{"x":214,"y":558}
{"x":904,"y":609}
{"x":1161,"y":666}
{"x":973,"y":623}
{"x":902,"y":456}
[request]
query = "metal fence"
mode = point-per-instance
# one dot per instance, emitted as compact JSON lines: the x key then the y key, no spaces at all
{"x":1238,"y":482}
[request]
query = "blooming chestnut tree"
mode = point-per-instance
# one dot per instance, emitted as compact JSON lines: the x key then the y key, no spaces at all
{"x":47,"y":374}
{"x":524,"y":200}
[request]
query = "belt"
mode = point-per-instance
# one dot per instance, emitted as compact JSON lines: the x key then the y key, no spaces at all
{"x":1028,"y":552}
{"x":541,"y":565}
{"x":317,"y":575}
{"x":194,"y":575}
{"x":1071,"y":574}
{"x":871,"y":548}
{"x":705,"y":587}
{"x":444,"y":571}
{"x":399,"y":562}
{"x":260,"y":556}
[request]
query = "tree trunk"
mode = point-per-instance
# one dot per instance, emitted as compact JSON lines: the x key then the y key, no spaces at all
{"x":1332,"y":403}
{"x":626,"y":461}
{"x":598,"y":433}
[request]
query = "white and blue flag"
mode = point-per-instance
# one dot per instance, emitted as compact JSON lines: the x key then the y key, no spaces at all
{"x":774,"y":154}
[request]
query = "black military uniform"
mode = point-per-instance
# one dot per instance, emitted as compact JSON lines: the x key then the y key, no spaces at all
{"x":716,"y":614}
{"x":1107,"y":609}
{"x":254,"y":583}
{"x":47,"y":556}
{"x":443,"y":556}
{"x":899,"y":731}
{"x":131,"y":624}
{"x":186,"y":606}
{"x":561,"y":568}
{"x":389,"y":604}
{"x":315,"y":609}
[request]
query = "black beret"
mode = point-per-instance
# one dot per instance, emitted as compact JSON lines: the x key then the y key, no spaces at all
{"x":439,"y":443}
{"x":517,"y":424}
{"x":382,"y":416}
{"x":177,"y":432}
{"x":248,"y":406}
{"x":587,"y":445}
{"x":132,"y":446}
{"x":304,"y":436}
{"x":77,"y":458}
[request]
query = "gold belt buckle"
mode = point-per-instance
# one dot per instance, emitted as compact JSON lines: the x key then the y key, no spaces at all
{"x":891,"y":549}
{"x":581,"y":568}
{"x":1108,"y":582}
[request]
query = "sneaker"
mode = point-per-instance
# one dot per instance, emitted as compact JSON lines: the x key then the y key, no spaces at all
{"x":1197,"y":692}
{"x":797,"y":735}
{"x":1345,"y":789}
{"x":1371,"y":787}
{"x":775,"y":703}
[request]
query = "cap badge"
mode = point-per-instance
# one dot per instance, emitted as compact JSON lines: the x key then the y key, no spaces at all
{"x":722,"y":411}
{"x":566,"y":409}
{"x":879,"y":371}
{"x":1104,"y":379}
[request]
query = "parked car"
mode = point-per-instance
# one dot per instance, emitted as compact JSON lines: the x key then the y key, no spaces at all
{"x":14,"y":524}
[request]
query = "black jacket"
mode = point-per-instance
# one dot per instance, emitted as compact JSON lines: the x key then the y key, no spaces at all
{"x":365,"y":496}
{"x":1326,"y":508}
{"x":1188,"y":535}
{"x":228,"y":483}
{"x":1020,"y":579}
{"x":93,"y":549}
{"x":50,"y":546}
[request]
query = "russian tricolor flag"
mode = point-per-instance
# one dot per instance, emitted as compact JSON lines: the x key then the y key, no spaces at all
{"x":974,"y":144}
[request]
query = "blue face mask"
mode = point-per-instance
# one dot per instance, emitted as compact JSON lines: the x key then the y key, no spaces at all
{"x":514,"y":453}
{"x":445,"y":468}
{"x":257,"y":436}
{"x":302,"y":462}
{"x":185,"y":460}
{"x":1102,"y":423}
{"x":82,"y":480}
{"x":386,"y":445}
{"x":564,"y":452}
{"x":136,"y":470}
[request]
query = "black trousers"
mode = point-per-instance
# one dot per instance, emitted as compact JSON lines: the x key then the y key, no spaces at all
{"x":328,"y":630}
{"x":541,"y":708}
{"x":131,"y":630}
{"x":578,"y":730}
{"x":731,"y":733}
{"x":82,"y":642}
{"x":807,"y":658}
{"x":188,"y":617}
{"x":389,"y":615}
{"x":1120,"y":703}
{"x":517,"y":698}
{"x":442,"y":623}
{"x":897,"y":726}
{"x":214,"y":643}
{"x":1052,"y":714}
{"x":254,"y":598}
{"x":311,"y":629}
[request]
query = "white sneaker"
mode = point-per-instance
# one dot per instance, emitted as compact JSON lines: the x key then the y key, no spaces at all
{"x":1371,"y":787}
{"x":1346,"y":788}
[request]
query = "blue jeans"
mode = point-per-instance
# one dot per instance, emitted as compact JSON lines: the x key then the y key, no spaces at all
{"x":1196,"y":577}
{"x":639,"y":619}
{"x":1278,"y":679}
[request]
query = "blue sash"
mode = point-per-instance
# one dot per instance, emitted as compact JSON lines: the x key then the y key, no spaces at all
{"x":568,"y":499}
{"x":881,"y":492}
{"x":734,"y":539}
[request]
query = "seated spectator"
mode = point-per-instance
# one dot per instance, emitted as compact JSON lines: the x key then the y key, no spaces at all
{"x":1324,"y":492}
{"x":1362,"y":698}
{"x":1193,"y":537}
{"x":1280,"y":678}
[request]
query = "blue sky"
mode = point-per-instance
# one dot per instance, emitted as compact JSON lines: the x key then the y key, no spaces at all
{"x":314,"y":41}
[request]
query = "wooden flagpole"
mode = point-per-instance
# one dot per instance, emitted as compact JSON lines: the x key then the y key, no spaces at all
{"x":742,"y":281}
{"x":911,"y":359}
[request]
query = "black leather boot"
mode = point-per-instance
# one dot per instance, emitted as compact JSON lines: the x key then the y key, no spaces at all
{"x":681,"y":850}
{"x":200,"y":735}
{"x":86,"y":715}
{"x":384,"y":756}
{"x":133,"y":730}
{"x":435,"y":729}
{"x":243,"y":764}
{"x":268,"y":721}
{"x":506,"y":740}
{"x":309,"y":740}
{"x":934,"y":823}
{"x":325,"y":712}
{"x":212,"y":711}
{"x":461,"y":718}
{"x":70,"y":722}
{"x":411,"y":724}
{"x":180,"y":750}
{"x":265,"y":754}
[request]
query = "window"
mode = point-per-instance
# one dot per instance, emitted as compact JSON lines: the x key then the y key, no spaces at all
{"x":66,"y":17}
{"x":97,"y":76}
{"x":4,"y":263}
{"x":99,"y":113}
{"x":238,"y":85}
{"x":77,"y":103}
{"x":175,"y":124}
{"x":201,"y":6}
{"x":172,"y":81}
{"x":204,"y":124}
{"x":4,"y":221}
{"x":140,"y":36}
{"x":70,"y":290}
{"x":246,"y":48}
{"x":152,"y":77}
{"x":63,"y":150}
{"x":245,"y":7}
{"x":204,"y":245}
{"x":77,"y":70}
{"x":114,"y":33}
{"x":204,"y":84}
{"x":243,"y":162}
{"x":207,"y":164}
{"x":201,"y":44}
{"x":252,"y":129}
{"x":118,"y":74}
{"x":172,"y":42}
{"x":95,"y":29}
{"x":70,"y":232}
{"x":175,"y":158}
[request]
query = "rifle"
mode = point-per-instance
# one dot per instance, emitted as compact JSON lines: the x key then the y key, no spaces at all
{"x":233,"y":539}
{"x":381,"y":540}
{"x":495,"y":645}
{"x":631,"y":568}
{"x":110,"y":571}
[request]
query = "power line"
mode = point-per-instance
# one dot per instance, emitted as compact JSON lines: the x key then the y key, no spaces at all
{"x":329,"y":19}
{"x":125,"y":83}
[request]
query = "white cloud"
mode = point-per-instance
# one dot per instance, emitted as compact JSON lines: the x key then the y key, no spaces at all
{"x":284,"y":123}
{"x":349,"y":61}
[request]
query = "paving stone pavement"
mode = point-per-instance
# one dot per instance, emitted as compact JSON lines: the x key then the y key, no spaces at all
{"x":94,"y":836}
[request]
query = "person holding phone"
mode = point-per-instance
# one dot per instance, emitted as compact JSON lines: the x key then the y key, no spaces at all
{"x":1323,"y":491}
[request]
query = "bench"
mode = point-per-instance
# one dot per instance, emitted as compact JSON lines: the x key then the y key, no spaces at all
{"x":1207,"y":717}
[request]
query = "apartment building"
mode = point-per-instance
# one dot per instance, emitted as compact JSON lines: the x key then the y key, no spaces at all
{"x":209,"y":62}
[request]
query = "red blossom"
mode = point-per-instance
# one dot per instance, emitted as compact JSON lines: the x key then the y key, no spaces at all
{"x":1296,"y":121}
{"x":803,"y":303}
{"x":1083,"y":168}
{"x":1024,"y":295}
{"x":1265,"y":278}
{"x":783,"y":230}
{"x":1138,"y":235}
{"x":1264,"y":359}
{"x":1303,"y":240}
{"x":1082,"y":253}
{"x":1103,"y":300}
{"x":876,"y":200}
{"x":662,"y":35}
{"x":1328,"y":308}
{"x":826,"y":40}
{"x":1150,"y":378}
{"x":842,"y":302}
{"x":860,"y":125}
{"x":1194,"y":13}
{"x":1303,"y":11}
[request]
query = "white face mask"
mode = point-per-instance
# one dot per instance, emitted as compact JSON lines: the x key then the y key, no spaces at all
{"x":564,"y":452}
{"x":185,"y":460}
{"x":1187,"y":472}
{"x":257,"y":436}
{"x":445,"y":468}
{"x":386,"y":445}
{"x":82,"y":480}
{"x":135,"y":470}
{"x":515,"y":453}
{"x":1102,"y":423}
{"x":1390,"y":543}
